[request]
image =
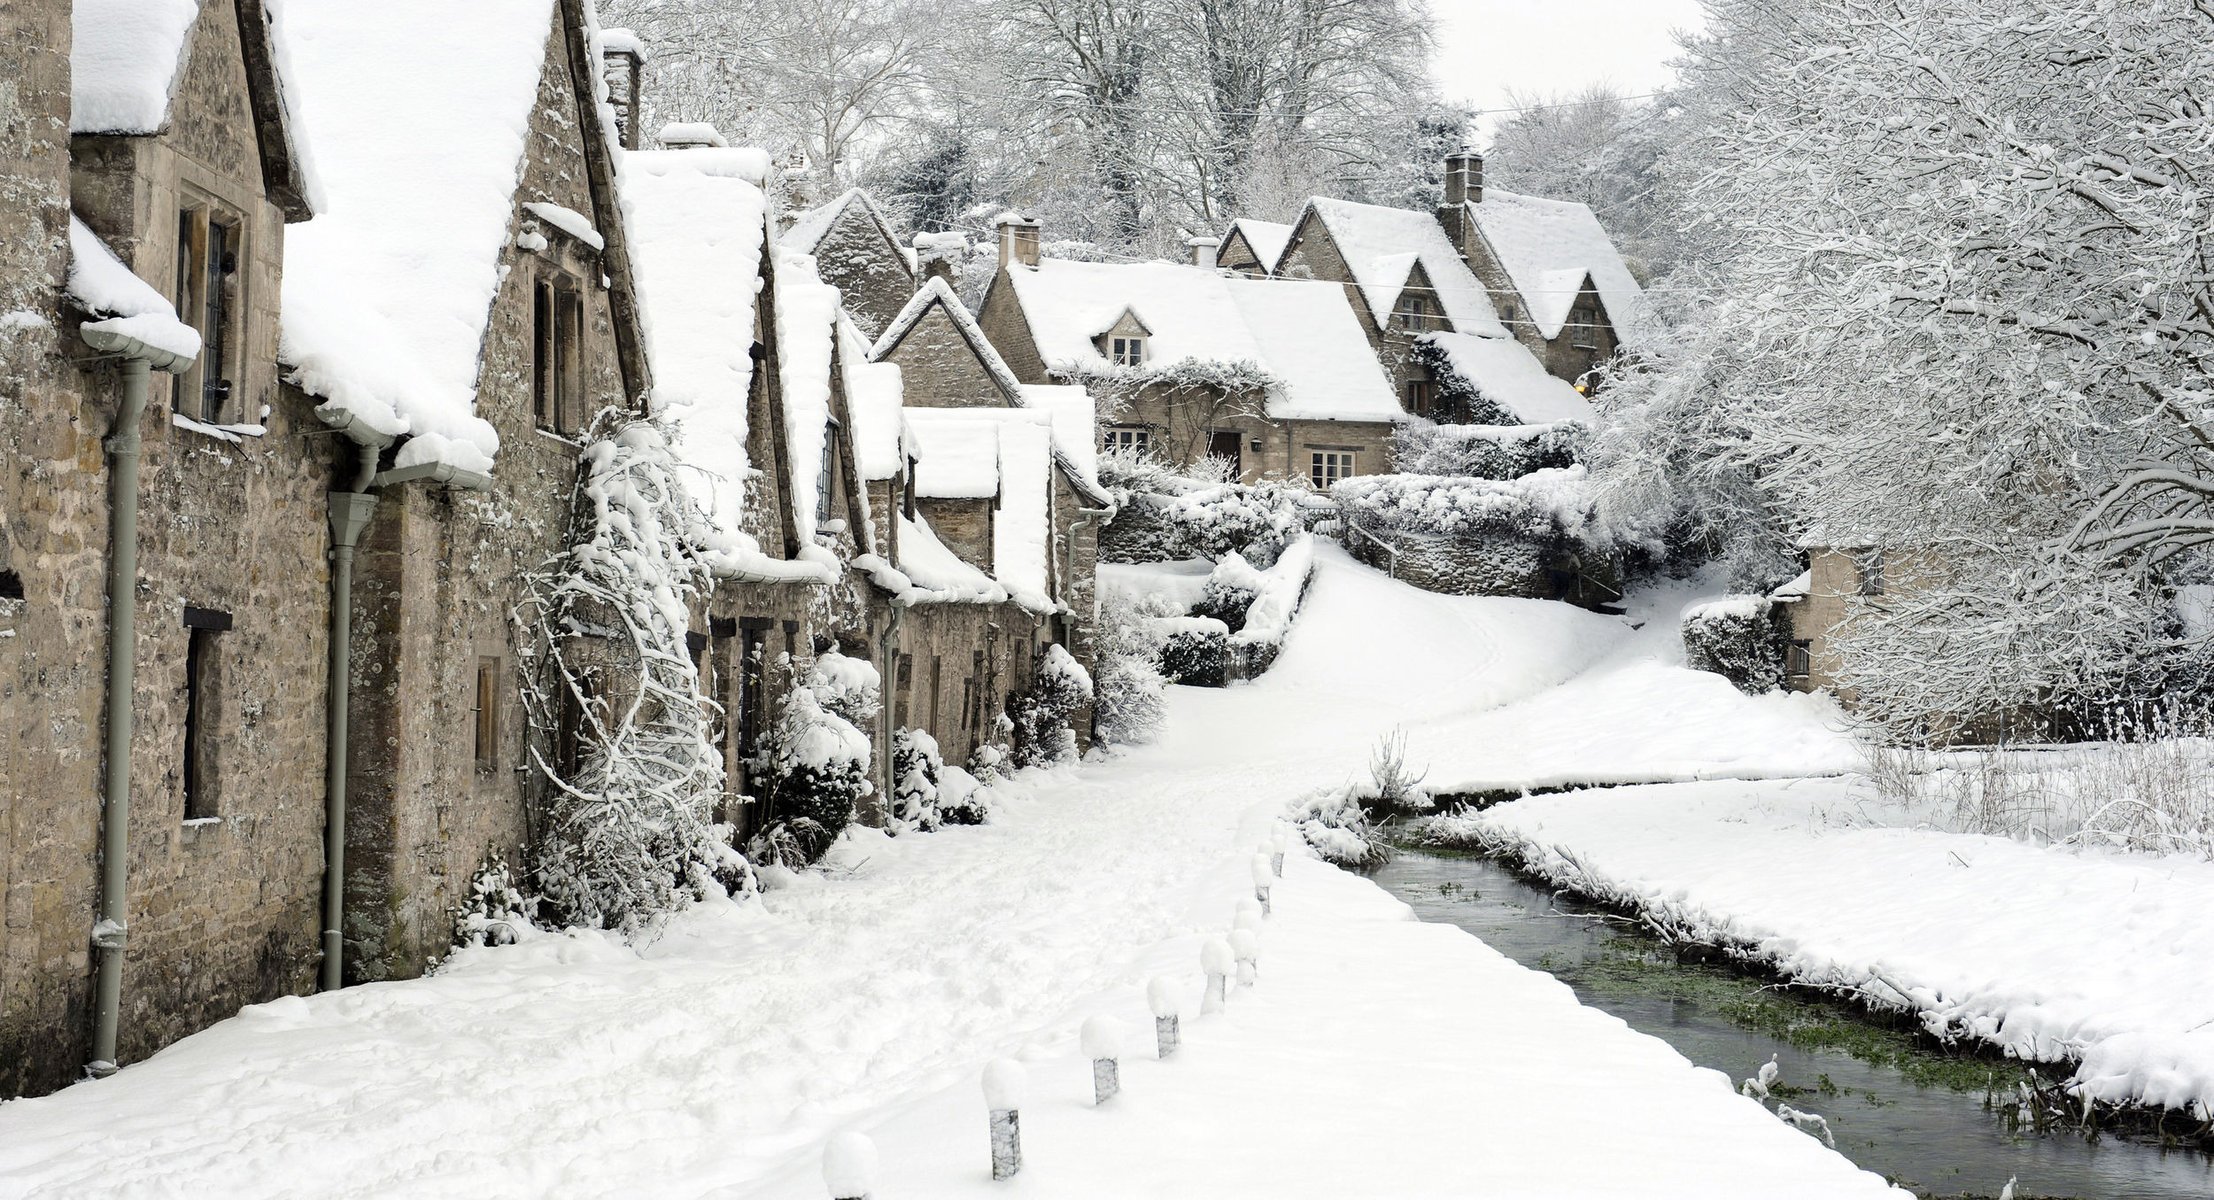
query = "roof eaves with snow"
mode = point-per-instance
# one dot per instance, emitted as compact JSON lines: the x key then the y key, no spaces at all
{"x":103,"y":288}
{"x":1503,"y":371}
{"x":1547,"y":248}
{"x":1377,"y":244}
{"x":127,"y":58}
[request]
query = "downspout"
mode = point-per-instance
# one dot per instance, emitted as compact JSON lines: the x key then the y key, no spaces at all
{"x":111,"y":932}
{"x":350,"y":512}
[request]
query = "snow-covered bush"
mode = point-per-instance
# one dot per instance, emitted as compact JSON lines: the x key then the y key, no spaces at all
{"x":1740,"y":638}
{"x":1227,"y":598}
{"x":1333,"y":822}
{"x":1498,"y":452}
{"x":1547,"y":507}
{"x":1060,"y":687}
{"x":916,"y":770}
{"x":1393,"y":788}
{"x":1195,"y":651}
{"x":1130,"y":706}
{"x":817,"y":760}
{"x":635,"y":777}
{"x":1276,"y":594}
{"x":963,"y":799}
{"x":496,"y":912}
{"x":1161,"y":516}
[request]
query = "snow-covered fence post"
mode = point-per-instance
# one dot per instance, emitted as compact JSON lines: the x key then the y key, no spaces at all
{"x":1160,"y":996}
{"x":1003,"y":1088}
{"x":1218,"y":960}
{"x":1277,"y":844}
{"x":849,"y":1166}
{"x":1103,"y":1045}
{"x":1249,"y":916}
{"x":1246,"y":944}
{"x":1262,"y":878}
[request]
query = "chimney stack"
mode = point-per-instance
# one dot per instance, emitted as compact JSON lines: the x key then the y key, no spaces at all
{"x":1018,"y":240}
{"x":1464,"y":179}
{"x":937,"y":253}
{"x":623,"y":64}
{"x":1203,"y":251}
{"x":690,"y":135}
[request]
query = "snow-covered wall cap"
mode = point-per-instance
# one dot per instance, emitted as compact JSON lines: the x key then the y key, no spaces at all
{"x":1380,"y":246}
{"x":622,"y":41}
{"x":420,"y":143}
{"x":1503,"y":371}
{"x":1547,"y":248}
{"x":698,"y":225}
{"x":1012,"y":218}
{"x":101,"y":286}
{"x":124,"y":60}
{"x":678,"y":135}
{"x":1203,"y":241}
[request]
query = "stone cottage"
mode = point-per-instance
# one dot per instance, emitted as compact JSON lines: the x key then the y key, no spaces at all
{"x":1252,"y":247}
{"x":160,"y":764}
{"x":857,"y":251}
{"x":1189,"y":362}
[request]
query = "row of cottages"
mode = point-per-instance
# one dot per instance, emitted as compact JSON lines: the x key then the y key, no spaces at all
{"x":304,"y":317}
{"x":1490,"y":310}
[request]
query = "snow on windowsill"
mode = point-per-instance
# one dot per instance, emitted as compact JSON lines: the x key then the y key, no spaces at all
{"x":227,"y":433}
{"x":567,"y":220}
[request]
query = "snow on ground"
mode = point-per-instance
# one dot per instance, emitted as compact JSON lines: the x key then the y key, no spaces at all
{"x":2045,"y":952}
{"x":1399,"y":1057}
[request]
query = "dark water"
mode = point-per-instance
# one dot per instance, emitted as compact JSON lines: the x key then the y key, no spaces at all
{"x":1915,"y":1116}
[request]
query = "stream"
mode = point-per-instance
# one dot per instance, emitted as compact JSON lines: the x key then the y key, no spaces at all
{"x":1895,"y":1106}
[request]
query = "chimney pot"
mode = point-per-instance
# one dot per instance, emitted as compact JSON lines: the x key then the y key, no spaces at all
{"x":1203,"y":251}
{"x":1018,"y":240}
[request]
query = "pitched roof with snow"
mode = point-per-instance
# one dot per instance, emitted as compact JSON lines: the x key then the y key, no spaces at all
{"x":1381,"y":247}
{"x":874,"y":393}
{"x":1547,"y":248}
{"x":1073,"y":444}
{"x":1008,"y":453}
{"x":698,"y":222}
{"x":1301,"y":332}
{"x":1504,"y":372}
{"x":1266,"y":239}
{"x":420,"y":142}
{"x":811,"y":227}
{"x":101,"y":286}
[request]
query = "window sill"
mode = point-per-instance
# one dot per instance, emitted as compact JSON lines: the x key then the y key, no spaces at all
{"x":234,"y":434}
{"x":563,"y":438}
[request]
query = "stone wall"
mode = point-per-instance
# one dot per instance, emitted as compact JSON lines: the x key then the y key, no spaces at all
{"x":965,"y":526}
{"x":1459,"y":566}
{"x":939,"y":369}
{"x":956,"y":667}
{"x":1821,"y":616}
{"x":869,"y":271}
{"x":1006,"y":329}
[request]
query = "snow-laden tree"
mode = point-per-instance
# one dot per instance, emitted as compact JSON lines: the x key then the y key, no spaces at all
{"x":632,"y":769}
{"x":1600,"y":148}
{"x":1968,"y":316}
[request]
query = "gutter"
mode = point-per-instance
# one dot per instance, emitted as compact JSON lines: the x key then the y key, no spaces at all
{"x":350,"y":512}
{"x":111,"y":933}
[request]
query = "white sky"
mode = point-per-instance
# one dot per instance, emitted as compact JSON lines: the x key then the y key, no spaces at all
{"x":1488,"y":46}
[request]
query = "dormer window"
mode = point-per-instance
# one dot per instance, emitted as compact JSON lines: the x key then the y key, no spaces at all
{"x":1414,"y":312}
{"x":1126,"y":351}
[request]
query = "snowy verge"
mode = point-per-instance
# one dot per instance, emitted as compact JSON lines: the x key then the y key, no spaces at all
{"x":2092,"y":957}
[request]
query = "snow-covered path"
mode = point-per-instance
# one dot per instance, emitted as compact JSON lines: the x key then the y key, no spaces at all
{"x":718,"y":1060}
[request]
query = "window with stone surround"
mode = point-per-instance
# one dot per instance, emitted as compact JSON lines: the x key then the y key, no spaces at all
{"x":1136,"y":439}
{"x":557,"y":354}
{"x":202,"y":691}
{"x":210,"y":247}
{"x":1413,"y":311}
{"x":1326,"y":467}
{"x":487,"y":716}
{"x":1868,"y":572}
{"x":1799,"y":659}
{"x":1422,"y":394}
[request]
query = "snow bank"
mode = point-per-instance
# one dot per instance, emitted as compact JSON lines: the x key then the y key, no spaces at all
{"x":123,"y":303}
{"x":124,"y":58}
{"x":2049,"y":954}
{"x":418,"y":143}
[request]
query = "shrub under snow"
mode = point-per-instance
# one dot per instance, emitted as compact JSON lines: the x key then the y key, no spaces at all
{"x":1060,"y":687}
{"x":1129,"y":706}
{"x":1498,"y":452}
{"x":1161,"y":516}
{"x":1740,"y":638}
{"x":817,"y":760}
{"x":916,"y":770}
{"x":1333,"y":822}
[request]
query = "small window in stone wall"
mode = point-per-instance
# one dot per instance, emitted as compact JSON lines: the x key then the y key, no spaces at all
{"x":1799,"y":659}
{"x":1126,"y":351}
{"x":202,"y":680}
{"x":1414,"y":312}
{"x":11,"y":586}
{"x":1421,"y":395}
{"x":557,"y":355}
{"x":487,"y":713}
{"x":1136,"y":439}
{"x":1868,"y":572}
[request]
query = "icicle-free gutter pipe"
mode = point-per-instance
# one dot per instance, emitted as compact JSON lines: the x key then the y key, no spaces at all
{"x":350,"y":512}
{"x":110,"y":933}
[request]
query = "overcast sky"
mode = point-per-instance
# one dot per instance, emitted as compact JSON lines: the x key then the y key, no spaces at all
{"x":1488,"y":46}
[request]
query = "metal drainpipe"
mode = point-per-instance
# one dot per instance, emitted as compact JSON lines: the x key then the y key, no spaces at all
{"x":350,"y":511}
{"x":111,"y":932}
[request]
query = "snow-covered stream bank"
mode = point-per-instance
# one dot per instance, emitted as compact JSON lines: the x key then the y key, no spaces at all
{"x":717,"y":1061}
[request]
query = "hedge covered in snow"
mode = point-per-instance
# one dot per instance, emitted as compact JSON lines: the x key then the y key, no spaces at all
{"x":1740,"y":638}
{"x":1498,"y":452}
{"x":1547,"y":506}
{"x":1161,"y":516}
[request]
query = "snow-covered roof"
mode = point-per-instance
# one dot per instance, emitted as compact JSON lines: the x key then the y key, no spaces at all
{"x":100,"y":285}
{"x":936,"y":571}
{"x":978,"y":453}
{"x":1800,"y":587}
{"x":874,"y":392}
{"x":124,"y":60}
{"x":419,"y":141}
{"x":1075,"y":421}
{"x":1381,"y":247}
{"x":806,"y":328}
{"x":811,"y":227}
{"x":1504,"y":372}
{"x":1074,"y":444}
{"x":1547,"y":248}
{"x":622,"y":41}
{"x":698,"y":222}
{"x":1301,"y":332}
{"x":1266,"y":238}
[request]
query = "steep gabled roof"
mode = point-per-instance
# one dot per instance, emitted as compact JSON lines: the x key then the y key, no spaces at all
{"x":1380,"y":247}
{"x":1503,"y":371}
{"x":811,"y":227}
{"x":1073,"y":450}
{"x":127,"y":57}
{"x":1301,"y":332}
{"x":1002,"y":453}
{"x":1266,"y":239}
{"x":1548,"y":248}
